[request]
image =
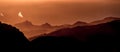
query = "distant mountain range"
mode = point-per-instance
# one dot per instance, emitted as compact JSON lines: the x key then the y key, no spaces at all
{"x":95,"y":38}
{"x":27,"y":25}
{"x":83,"y":32}
{"x":31,"y":30}
{"x":105,"y":20}
{"x":102,"y":37}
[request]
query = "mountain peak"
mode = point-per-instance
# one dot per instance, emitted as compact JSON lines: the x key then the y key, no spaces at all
{"x":111,"y":18}
{"x":80,"y":23}
{"x":46,"y":25}
{"x":105,"y":20}
{"x":25,"y":23}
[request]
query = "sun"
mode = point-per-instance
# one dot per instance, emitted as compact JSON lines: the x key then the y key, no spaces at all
{"x":20,"y":15}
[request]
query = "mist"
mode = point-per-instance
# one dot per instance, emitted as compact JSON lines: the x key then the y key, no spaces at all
{"x":58,"y":13}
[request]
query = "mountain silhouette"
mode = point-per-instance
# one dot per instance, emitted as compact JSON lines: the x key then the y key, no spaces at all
{"x":79,"y":23}
{"x":49,"y":28}
{"x":84,"y":28}
{"x":31,"y":30}
{"x":26,"y":25}
{"x":97,"y":38}
{"x":81,"y":32}
{"x":11,"y":38}
{"x":23,"y":24}
{"x":46,"y":25}
{"x":105,"y":20}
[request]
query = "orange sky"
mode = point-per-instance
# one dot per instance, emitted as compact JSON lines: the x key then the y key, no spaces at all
{"x":38,"y":1}
{"x":57,"y":12}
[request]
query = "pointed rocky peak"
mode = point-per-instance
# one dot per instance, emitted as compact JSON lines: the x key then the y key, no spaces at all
{"x":25,"y":23}
{"x":46,"y":25}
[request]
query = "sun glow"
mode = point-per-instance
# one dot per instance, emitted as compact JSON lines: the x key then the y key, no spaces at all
{"x":20,"y":15}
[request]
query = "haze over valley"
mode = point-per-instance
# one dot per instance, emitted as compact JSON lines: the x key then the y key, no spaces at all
{"x":58,"y":12}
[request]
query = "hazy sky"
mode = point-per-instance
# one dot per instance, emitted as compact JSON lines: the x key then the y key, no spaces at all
{"x":57,"y":12}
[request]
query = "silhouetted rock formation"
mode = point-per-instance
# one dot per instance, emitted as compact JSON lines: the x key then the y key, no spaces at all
{"x":11,"y":38}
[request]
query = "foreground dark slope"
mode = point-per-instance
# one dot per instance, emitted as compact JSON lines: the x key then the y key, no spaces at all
{"x":96,"y":38}
{"x":11,"y":38}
